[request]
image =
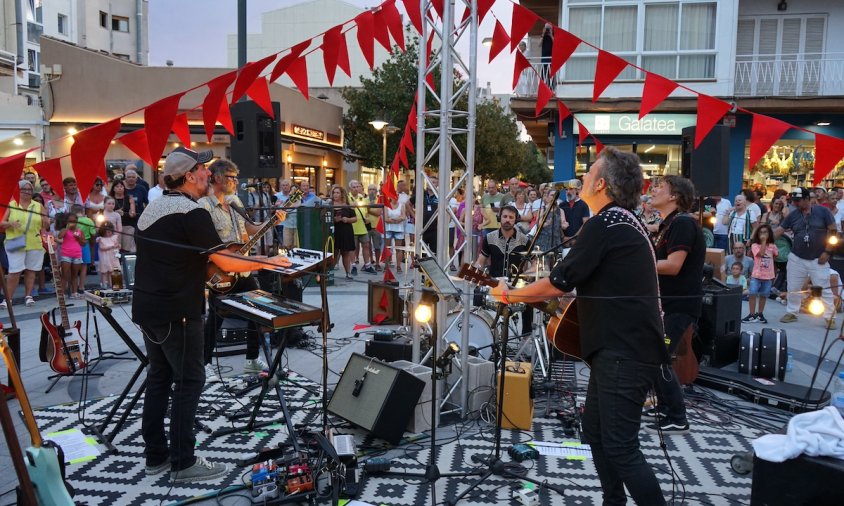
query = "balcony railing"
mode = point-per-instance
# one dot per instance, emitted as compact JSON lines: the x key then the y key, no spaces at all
{"x":779,"y":75}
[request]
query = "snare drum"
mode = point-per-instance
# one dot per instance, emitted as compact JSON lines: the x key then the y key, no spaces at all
{"x":481,"y":299}
{"x":480,"y":332}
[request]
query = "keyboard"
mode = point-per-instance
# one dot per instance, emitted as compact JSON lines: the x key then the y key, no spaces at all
{"x":267,"y":310}
{"x":304,"y":260}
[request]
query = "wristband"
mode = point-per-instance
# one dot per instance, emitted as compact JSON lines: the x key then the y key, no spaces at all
{"x":504,"y":297}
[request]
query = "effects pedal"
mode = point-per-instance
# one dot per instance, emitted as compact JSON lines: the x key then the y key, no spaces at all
{"x":521,"y":452}
{"x":526,"y":497}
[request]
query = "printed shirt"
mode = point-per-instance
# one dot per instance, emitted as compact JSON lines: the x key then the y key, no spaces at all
{"x":230,"y":225}
{"x":763,"y":263}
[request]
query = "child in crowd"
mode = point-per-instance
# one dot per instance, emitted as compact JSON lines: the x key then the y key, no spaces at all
{"x":763,"y":251}
{"x":737,"y":278}
{"x":112,"y":216}
{"x":70,"y":257}
{"x":86,"y":225}
{"x":109,"y":245}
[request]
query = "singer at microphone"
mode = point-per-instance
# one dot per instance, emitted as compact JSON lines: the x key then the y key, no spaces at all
{"x":248,"y":186}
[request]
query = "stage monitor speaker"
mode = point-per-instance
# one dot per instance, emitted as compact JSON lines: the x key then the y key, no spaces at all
{"x":720,"y":324}
{"x":708,"y":166}
{"x":376,"y":396}
{"x":384,"y":306}
{"x":256,"y":143}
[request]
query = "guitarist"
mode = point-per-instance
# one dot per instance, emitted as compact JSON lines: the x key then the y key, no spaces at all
{"x":613,"y":268}
{"x":680,"y":253}
{"x":231,"y":227}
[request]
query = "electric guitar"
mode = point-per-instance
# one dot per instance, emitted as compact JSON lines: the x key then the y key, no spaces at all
{"x":63,"y":342}
{"x":563,"y":329}
{"x":220,"y":281}
{"x":44,"y":460}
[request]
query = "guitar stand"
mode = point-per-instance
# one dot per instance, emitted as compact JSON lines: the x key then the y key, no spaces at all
{"x":101,"y":355}
{"x":75,"y":372}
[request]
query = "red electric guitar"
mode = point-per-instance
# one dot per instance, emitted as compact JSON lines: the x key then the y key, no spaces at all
{"x":563,"y":329}
{"x":63,"y":348}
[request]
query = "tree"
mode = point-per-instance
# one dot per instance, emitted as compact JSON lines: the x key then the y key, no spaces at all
{"x":498,"y":151}
{"x":534,"y":167}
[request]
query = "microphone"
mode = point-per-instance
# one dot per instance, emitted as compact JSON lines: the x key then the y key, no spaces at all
{"x":571,"y":184}
{"x":244,"y":186}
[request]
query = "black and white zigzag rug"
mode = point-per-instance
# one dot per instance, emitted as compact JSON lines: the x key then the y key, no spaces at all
{"x":701,"y":459}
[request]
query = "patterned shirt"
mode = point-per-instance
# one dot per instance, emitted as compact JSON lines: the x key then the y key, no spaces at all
{"x":230,"y":226}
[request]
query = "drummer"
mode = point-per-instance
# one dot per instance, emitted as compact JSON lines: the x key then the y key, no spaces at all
{"x":503,"y":249}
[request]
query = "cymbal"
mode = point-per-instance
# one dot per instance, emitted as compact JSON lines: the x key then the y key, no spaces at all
{"x":534,"y":253}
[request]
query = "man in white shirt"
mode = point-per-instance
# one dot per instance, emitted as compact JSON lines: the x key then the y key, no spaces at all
{"x":157,"y":190}
{"x":719,"y":229}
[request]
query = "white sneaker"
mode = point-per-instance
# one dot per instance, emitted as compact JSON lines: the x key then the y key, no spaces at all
{"x":3,"y":304}
{"x":254,"y":366}
{"x":211,"y":374}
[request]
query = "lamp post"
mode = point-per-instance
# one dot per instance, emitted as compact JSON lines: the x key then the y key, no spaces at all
{"x":385,"y":128}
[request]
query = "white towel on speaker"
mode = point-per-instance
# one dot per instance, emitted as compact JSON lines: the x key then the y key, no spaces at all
{"x":819,"y":433}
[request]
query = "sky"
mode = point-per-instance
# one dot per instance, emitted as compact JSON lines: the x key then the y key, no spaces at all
{"x":193,"y":33}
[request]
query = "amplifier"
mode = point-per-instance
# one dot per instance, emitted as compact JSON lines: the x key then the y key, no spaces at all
{"x":390,"y":351}
{"x":776,"y":484}
{"x":231,"y":338}
{"x":518,"y":395}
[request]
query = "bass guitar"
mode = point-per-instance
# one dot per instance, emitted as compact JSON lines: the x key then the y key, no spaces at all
{"x":220,"y":281}
{"x":563,"y":329}
{"x":44,"y":460}
{"x":63,"y":349}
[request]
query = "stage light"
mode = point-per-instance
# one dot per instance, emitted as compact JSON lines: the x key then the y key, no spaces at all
{"x":816,"y":305}
{"x":712,"y":220}
{"x":832,"y":240}
{"x":451,"y":350}
{"x":423,"y":313}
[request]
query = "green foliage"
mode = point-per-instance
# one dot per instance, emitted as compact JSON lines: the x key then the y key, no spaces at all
{"x":534,"y":166}
{"x":498,"y":151}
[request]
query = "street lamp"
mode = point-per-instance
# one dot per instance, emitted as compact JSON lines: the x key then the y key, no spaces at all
{"x":385,"y":128}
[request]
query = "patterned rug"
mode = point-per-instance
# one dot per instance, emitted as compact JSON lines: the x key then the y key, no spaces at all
{"x":701,"y":459}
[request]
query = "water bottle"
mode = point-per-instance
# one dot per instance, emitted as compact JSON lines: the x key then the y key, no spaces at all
{"x":838,"y":393}
{"x":789,"y":364}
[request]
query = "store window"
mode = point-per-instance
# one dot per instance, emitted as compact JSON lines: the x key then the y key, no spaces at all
{"x":788,"y":163}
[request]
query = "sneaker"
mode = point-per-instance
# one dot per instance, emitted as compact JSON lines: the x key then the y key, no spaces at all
{"x":354,"y":270}
{"x":652,"y":413}
{"x":47,"y":290}
{"x":369,"y":270}
{"x":157,"y":469}
{"x":788,"y":318}
{"x":201,"y":470}
{"x":761,"y":318}
{"x":751,"y":318}
{"x":378,"y":268}
{"x":254,"y":366}
{"x":830,"y":323}
{"x":35,"y":292}
{"x":29,"y":301}
{"x":3,"y":304}
{"x":668,"y":427}
{"x":348,"y":276}
{"x":211,"y":374}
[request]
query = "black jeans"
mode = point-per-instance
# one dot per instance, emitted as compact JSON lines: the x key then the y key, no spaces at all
{"x":173,"y":363}
{"x":669,"y":393}
{"x":616,"y":392}
{"x":213,"y":321}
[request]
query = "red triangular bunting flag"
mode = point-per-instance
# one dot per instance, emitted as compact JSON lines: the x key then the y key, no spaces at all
{"x":403,"y":156}
{"x":543,"y":96}
{"x":709,"y":112}
{"x":564,"y":45}
{"x":382,"y":32}
{"x":407,"y":140}
{"x":438,"y":7}
{"x":224,"y":116}
{"x":646,"y":186}
{"x":87,"y":155}
{"x":158,"y":121}
{"x":394,"y":24}
{"x":483,"y":8}
{"x":51,"y":170}
{"x":389,"y":188}
{"x":366,"y":37}
{"x":414,"y":13}
{"x":358,"y":326}
{"x":519,"y":66}
{"x":608,"y":68}
{"x":828,"y":152}
{"x":523,"y":20}
{"x":298,"y":72}
{"x":11,"y":169}
{"x":500,"y":40}
{"x":380,"y":225}
{"x":388,"y":274}
{"x":384,"y":303}
{"x":247,"y":76}
{"x":379,"y":318}
{"x":181,"y":128}
{"x":386,"y":253}
{"x":259,"y":92}
{"x":331,"y":48}
{"x":656,"y":90}
{"x":217,"y":88}
{"x":289,"y":58}
{"x":563,"y":112}
{"x":411,"y":117}
{"x":764,"y":132}
{"x":428,"y":51}
{"x":598,"y":145}
{"x":138,"y":143}
{"x":582,"y":133}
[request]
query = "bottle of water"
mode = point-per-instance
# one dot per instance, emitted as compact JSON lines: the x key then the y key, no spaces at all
{"x":838,"y":394}
{"x":789,"y":365}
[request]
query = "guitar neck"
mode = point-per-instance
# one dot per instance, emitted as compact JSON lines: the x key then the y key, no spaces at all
{"x":57,"y":279}
{"x":26,"y":408}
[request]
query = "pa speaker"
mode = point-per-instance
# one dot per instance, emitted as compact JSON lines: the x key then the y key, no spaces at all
{"x":376,"y":396}
{"x":708,"y":166}
{"x":256,"y":143}
{"x":720,"y":324}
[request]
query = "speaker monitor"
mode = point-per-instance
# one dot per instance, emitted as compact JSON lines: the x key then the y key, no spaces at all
{"x":720,"y":324}
{"x":256,"y":143}
{"x":707,"y":166}
{"x":376,"y":396}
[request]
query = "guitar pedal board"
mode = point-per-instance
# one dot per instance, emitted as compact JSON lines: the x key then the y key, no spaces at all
{"x":108,"y":297}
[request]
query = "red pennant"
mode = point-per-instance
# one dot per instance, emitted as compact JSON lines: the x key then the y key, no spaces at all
{"x":158,"y":121}
{"x":429,"y":48}
{"x":563,"y":112}
{"x":384,"y":303}
{"x":523,"y":20}
{"x":403,"y":156}
{"x":407,"y":140}
{"x":51,"y":170}
{"x":519,"y":66}
{"x":259,"y":92}
{"x":388,"y":274}
{"x":582,"y":133}
{"x":217,"y":88}
{"x":483,"y":8}
{"x":500,"y":39}
{"x":564,"y":45}
{"x":358,"y":326}
{"x":366,"y":37}
{"x":298,"y":72}
{"x":181,"y":128}
{"x":224,"y":116}
{"x":138,"y":143}
{"x":764,"y":132}
{"x":438,"y":7}
{"x":656,"y":90}
{"x":543,"y":96}
{"x":598,"y":145}
{"x":411,"y":117}
{"x":608,"y":68}
{"x":284,"y":63}
{"x":380,"y":225}
{"x":247,"y":76}
{"x":389,"y":188}
{"x":379,"y":318}
{"x":88,"y":153}
{"x":333,"y":45}
{"x":709,"y":112}
{"x":386,"y":253}
{"x":11,"y":170}
{"x":828,"y":152}
{"x":414,"y":14}
{"x":394,"y":24}
{"x":646,"y":186}
{"x":382,"y":33}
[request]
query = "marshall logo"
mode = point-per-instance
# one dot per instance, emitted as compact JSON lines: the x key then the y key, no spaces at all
{"x":309,"y":132}
{"x":371,"y":369}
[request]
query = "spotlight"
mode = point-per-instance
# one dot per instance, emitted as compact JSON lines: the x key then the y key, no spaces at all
{"x":451,"y":350}
{"x":832,"y":240}
{"x":425,"y":310}
{"x":816,"y":306}
{"x":712,"y":220}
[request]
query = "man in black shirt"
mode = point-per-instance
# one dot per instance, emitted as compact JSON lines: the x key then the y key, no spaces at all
{"x":680,"y":253}
{"x":173,"y":236}
{"x":575,"y":210}
{"x":613,"y":268}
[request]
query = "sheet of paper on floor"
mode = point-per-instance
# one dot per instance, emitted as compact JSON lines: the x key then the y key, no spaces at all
{"x":569,"y":450}
{"x":77,"y":447}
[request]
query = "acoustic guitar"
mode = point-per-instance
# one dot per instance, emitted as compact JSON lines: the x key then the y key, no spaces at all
{"x":63,"y":350}
{"x":563,"y":329}
{"x":44,"y":460}
{"x":220,"y":281}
